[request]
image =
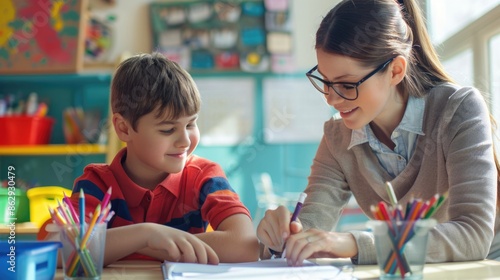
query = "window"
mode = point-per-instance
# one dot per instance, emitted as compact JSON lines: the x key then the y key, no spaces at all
{"x":446,"y":17}
{"x":468,"y":33}
{"x":461,"y":68}
{"x":494,"y":47}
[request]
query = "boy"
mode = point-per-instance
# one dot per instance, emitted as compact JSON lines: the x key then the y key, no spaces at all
{"x":163,"y":196}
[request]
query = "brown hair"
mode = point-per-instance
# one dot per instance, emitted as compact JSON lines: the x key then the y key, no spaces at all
{"x":374,"y":31}
{"x":148,"y":82}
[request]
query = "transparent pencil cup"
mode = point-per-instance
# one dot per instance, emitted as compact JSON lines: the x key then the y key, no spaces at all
{"x":83,"y":256}
{"x":401,"y":247}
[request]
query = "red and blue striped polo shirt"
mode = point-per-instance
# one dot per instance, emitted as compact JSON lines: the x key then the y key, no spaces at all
{"x":188,"y":200}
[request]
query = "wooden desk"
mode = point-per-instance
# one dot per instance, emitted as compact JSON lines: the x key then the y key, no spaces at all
{"x":24,"y":231}
{"x":127,"y":270}
{"x":477,"y":270}
{"x":486,"y":269}
{"x":22,"y":228}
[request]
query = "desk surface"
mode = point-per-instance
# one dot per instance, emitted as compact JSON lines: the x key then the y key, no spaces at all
{"x":20,"y":228}
{"x":486,"y":269}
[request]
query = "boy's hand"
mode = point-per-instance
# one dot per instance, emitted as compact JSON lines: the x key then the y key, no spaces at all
{"x":180,"y":246}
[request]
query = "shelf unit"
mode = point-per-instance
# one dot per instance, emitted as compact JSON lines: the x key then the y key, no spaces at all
{"x":57,"y":163}
{"x":53,"y":149}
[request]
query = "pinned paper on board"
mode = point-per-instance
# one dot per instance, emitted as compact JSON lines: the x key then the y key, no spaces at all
{"x":226,"y":11}
{"x":279,"y":43}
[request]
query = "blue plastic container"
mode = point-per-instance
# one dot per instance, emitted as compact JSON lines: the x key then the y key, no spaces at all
{"x":31,"y":260}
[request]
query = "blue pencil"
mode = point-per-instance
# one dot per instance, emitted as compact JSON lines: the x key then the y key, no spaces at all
{"x":81,"y":205}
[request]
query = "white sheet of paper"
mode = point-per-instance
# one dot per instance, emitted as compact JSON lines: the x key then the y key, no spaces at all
{"x":262,"y":270}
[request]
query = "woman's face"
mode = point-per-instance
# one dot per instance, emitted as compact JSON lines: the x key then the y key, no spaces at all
{"x":378,"y":99}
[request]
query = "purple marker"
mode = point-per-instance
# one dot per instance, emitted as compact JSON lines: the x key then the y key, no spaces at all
{"x":298,"y":207}
{"x":296,"y":212}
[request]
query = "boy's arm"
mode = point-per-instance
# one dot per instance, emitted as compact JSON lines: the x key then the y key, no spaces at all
{"x":236,"y":230}
{"x":234,"y":240}
{"x":123,"y":241}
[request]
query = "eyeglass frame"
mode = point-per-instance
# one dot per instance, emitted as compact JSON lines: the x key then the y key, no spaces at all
{"x":329,"y":84}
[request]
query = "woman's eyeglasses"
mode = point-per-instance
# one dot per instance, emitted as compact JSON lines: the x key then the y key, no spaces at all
{"x":347,"y":91}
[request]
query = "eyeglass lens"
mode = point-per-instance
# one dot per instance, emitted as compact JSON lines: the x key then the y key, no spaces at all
{"x":347,"y":91}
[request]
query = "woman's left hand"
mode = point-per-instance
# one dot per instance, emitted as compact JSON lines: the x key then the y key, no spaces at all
{"x":315,"y":243}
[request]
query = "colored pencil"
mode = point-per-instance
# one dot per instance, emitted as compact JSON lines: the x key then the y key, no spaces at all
{"x":106,"y":198}
{"x":401,"y":233}
{"x":71,"y":208}
{"x":65,"y":216}
{"x":81,"y":204}
{"x":390,"y":192}
{"x":83,"y":241}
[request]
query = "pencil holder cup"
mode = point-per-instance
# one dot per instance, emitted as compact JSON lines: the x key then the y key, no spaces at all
{"x":401,"y":247}
{"x":83,"y":256}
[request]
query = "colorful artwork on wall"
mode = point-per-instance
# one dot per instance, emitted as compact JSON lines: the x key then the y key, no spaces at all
{"x":41,"y":36}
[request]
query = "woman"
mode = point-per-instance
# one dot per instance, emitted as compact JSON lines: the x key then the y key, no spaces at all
{"x":402,"y":120}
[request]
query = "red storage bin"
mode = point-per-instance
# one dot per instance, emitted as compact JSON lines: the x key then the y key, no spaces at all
{"x":25,"y":130}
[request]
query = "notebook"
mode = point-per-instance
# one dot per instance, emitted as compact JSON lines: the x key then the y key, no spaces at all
{"x":262,"y":270}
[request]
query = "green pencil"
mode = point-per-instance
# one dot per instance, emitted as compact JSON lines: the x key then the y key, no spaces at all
{"x":390,"y":192}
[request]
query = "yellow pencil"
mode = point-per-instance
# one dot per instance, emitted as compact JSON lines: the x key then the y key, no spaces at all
{"x":58,"y":216}
{"x":97,"y":212}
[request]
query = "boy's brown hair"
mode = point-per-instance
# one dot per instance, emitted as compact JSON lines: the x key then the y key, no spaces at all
{"x":148,"y":82}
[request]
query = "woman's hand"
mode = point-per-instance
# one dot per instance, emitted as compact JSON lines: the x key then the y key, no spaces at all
{"x":315,"y":243}
{"x":180,"y":246}
{"x":274,"y":228}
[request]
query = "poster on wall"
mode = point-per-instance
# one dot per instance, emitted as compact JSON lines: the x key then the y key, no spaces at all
{"x":41,"y":36}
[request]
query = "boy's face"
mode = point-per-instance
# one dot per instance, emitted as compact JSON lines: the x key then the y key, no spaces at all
{"x":161,"y":145}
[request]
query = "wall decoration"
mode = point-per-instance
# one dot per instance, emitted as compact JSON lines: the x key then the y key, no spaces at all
{"x":220,"y":35}
{"x":98,"y":40}
{"x":41,"y":36}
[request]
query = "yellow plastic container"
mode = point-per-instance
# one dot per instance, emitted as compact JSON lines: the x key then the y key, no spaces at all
{"x":41,"y":198}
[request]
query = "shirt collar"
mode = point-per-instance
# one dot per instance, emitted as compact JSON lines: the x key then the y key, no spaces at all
{"x":414,"y":116}
{"x":134,"y":193}
{"x":411,"y":122}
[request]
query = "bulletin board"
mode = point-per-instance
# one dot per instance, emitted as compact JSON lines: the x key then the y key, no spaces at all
{"x":42,"y":36}
{"x":225,"y":35}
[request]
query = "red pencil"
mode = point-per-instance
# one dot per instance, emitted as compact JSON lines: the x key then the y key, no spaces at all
{"x":71,"y":209}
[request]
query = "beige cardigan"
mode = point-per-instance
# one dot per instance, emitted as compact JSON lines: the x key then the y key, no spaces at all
{"x":454,"y":155}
